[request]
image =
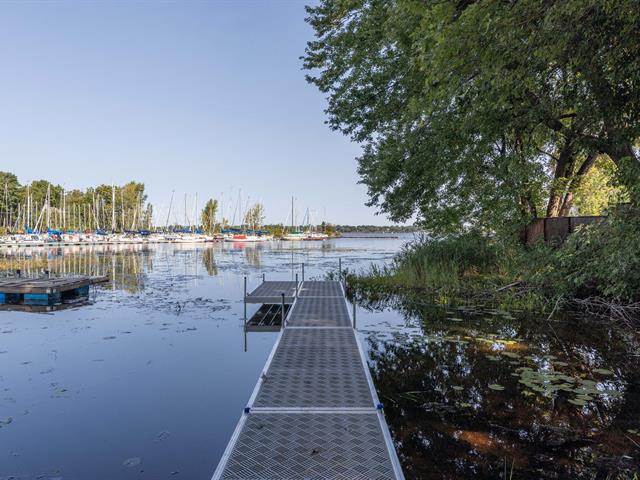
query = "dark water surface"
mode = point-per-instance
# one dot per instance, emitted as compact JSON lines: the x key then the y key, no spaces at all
{"x":484,"y":393}
{"x":149,"y":380}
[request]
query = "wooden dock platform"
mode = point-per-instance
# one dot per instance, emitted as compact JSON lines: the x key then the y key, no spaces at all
{"x":45,"y":290}
{"x":314,"y":413}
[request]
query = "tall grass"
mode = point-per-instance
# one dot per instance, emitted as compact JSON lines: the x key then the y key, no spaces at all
{"x":598,"y":264}
{"x":469,"y":267}
{"x":445,"y":263}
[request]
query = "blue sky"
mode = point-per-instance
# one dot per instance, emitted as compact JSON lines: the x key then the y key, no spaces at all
{"x":205,"y":97}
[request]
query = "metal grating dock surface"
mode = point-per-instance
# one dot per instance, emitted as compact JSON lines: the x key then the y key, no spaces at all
{"x":271,"y":292}
{"x":313,"y":414}
{"x":315,"y":368}
{"x":321,"y":289}
{"x":319,"y":312}
{"x":345,"y":446}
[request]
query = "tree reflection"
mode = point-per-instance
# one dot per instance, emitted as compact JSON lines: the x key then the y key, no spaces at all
{"x":209,"y":262}
{"x":479,"y":390}
{"x":125,"y":265}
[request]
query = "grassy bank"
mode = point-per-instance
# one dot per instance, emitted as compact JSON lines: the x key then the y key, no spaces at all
{"x":596,"y":269}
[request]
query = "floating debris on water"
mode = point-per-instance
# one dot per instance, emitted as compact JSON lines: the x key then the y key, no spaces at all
{"x":163,"y":435}
{"x":132,"y":462}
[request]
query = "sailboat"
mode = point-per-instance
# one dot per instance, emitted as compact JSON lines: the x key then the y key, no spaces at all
{"x":294,"y":234}
{"x":244,"y":235}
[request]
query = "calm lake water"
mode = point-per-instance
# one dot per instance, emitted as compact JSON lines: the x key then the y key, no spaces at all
{"x":149,"y":379}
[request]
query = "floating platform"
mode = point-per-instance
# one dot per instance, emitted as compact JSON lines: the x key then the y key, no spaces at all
{"x":271,"y":293}
{"x":314,"y":413}
{"x":45,"y":290}
{"x":268,"y":318}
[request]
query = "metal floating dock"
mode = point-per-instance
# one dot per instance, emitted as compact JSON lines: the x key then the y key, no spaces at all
{"x":314,"y":413}
{"x":268,"y":318}
{"x":45,"y":290}
{"x":271,"y":292}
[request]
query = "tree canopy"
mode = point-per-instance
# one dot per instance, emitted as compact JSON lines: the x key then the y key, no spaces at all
{"x":208,"y":215}
{"x":481,"y":113}
{"x":91,"y":208}
{"x":254,"y":217}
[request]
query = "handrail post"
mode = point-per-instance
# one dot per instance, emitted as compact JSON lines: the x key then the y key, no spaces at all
{"x":245,"y":299}
{"x":303,"y":271}
{"x":296,"y":284}
{"x":263,"y":278}
{"x":340,"y":269}
{"x":283,"y":322}
{"x":354,"y":313}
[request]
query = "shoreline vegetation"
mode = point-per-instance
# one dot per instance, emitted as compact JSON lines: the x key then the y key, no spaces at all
{"x":596,"y":271}
{"x":475,"y":120}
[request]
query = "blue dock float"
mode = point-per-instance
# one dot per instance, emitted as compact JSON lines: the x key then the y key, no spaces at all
{"x":45,"y":290}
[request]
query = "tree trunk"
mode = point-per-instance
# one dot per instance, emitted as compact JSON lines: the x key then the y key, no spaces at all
{"x":563,"y":168}
{"x":575,"y":183}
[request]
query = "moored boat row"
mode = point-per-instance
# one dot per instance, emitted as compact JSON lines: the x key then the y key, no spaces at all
{"x":35,"y":239}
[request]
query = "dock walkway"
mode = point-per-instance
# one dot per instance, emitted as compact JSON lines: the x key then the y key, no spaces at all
{"x":314,"y":413}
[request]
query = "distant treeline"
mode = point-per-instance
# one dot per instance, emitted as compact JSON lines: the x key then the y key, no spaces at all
{"x":375,"y":228}
{"x":42,"y":204}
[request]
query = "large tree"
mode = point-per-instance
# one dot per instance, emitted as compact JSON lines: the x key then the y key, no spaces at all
{"x":483,"y":113}
{"x":254,"y":217}
{"x":208,"y":215}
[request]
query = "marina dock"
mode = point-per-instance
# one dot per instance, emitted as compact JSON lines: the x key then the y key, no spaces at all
{"x":45,"y":290}
{"x":314,"y":413}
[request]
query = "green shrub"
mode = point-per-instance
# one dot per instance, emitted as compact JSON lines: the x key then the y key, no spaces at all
{"x":598,"y":260}
{"x":601,"y":260}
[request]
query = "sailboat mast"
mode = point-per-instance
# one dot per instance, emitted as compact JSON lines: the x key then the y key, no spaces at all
{"x":48,"y":206}
{"x":122,"y":204}
{"x":113,"y":208}
{"x":169,"y":211}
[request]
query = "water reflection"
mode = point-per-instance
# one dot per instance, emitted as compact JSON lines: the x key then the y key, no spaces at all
{"x":476,"y":393}
{"x":149,"y":379}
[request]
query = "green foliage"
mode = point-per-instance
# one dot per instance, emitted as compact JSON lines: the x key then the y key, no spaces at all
{"x":443,"y":262}
{"x":600,"y":260}
{"x":276,"y":230}
{"x":208,"y":216}
{"x":599,"y":189}
{"x":254,"y":217}
{"x":87,"y":209}
{"x":467,"y":111}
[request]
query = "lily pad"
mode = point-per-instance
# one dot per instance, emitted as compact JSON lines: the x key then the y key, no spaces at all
{"x":495,"y":386}
{"x":511,"y":354}
{"x":577,"y":401}
{"x":457,"y":388}
{"x":603,"y":371}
